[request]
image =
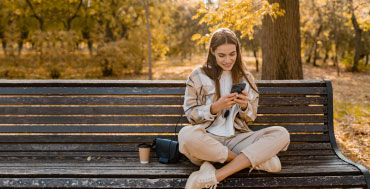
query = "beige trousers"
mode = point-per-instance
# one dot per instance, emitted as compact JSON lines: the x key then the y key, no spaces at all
{"x":259,"y":146}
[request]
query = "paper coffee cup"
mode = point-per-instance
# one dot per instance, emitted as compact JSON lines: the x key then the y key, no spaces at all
{"x":144,"y":153}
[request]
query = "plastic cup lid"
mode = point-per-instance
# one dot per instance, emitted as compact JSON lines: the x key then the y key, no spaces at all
{"x":144,"y":145}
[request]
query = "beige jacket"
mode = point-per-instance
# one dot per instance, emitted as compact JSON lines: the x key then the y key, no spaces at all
{"x":200,"y":93}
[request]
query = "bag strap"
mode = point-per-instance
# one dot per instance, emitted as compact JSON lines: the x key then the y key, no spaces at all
{"x":176,"y":126}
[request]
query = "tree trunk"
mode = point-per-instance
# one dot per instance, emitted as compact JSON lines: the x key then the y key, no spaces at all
{"x":308,"y":60}
{"x":358,"y":33}
{"x":314,"y":45}
{"x":315,"y":55}
{"x":255,"y":56}
{"x":109,"y":36}
{"x":90,"y":46}
{"x":281,"y":48}
{"x":4,"y":43}
{"x":336,"y":42}
{"x":326,"y":55}
{"x":70,"y":19}
{"x":146,"y":7}
{"x":41,"y":20}
{"x":20,"y":46}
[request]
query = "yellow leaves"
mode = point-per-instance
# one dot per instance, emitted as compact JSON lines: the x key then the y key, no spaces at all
{"x":238,"y":15}
{"x":196,"y":37}
{"x":18,"y":12}
{"x":202,"y":10}
{"x":92,"y":11}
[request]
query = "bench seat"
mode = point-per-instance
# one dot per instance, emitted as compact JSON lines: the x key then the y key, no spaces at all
{"x":123,"y":169}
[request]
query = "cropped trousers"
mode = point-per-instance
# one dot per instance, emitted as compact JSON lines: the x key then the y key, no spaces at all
{"x":258,"y":146}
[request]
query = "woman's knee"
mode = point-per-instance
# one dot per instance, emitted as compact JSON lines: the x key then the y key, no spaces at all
{"x":282,"y":133}
{"x":188,"y":133}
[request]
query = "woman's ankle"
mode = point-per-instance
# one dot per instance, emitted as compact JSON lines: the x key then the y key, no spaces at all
{"x":230,"y":156}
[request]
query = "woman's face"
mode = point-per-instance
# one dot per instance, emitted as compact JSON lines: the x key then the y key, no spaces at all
{"x":225,"y":56}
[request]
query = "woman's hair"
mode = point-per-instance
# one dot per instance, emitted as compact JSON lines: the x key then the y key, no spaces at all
{"x":213,"y":70}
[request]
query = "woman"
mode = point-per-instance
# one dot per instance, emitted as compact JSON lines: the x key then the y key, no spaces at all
{"x":219,"y":131}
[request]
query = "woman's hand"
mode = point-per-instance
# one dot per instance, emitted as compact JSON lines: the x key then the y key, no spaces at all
{"x":242,"y":100}
{"x":225,"y":102}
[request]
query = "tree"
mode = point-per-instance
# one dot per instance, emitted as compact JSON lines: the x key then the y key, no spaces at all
{"x":182,"y":28}
{"x":241,"y":16}
{"x":358,"y":33}
{"x":281,"y":37}
{"x":253,"y":45}
{"x":146,"y":7}
{"x":281,"y":47}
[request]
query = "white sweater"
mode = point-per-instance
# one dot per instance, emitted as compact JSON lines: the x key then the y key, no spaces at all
{"x":225,"y":126}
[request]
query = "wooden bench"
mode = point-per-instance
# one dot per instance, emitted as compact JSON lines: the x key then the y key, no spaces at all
{"x":76,"y":133}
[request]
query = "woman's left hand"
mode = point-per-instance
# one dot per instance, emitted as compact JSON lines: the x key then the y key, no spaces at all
{"x":242,"y":99}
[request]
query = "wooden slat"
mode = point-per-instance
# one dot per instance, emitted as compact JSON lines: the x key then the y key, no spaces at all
{"x":291,"y":83}
{"x":290,"y":155}
{"x":80,"y":148}
{"x":292,"y":90}
{"x":297,"y":181}
{"x":71,"y":155}
{"x":293,"y":128}
{"x":137,"y":169}
{"x":143,"y":90}
{"x":147,"y":100}
{"x":91,"y":91}
{"x":337,"y":162}
{"x":151,"y":110}
{"x":108,"y":162}
{"x":309,"y":137}
{"x":105,"y":100}
{"x":90,"y":129}
{"x":91,"y":119}
{"x":291,"y":119}
{"x":142,"y":119}
{"x":59,"y":160}
{"x":146,"y":83}
{"x":65,"y":161}
{"x":306,"y":153}
{"x":6,"y":147}
{"x":309,"y":146}
{"x":306,"y":181}
{"x":92,"y":83}
{"x":134,"y":129}
{"x":308,"y":157}
{"x":264,"y":100}
{"x":82,"y":138}
{"x":292,"y":110}
{"x":127,"y":138}
{"x":146,"y":110}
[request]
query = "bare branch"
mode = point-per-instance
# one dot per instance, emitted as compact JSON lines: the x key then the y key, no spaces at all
{"x":41,"y":21}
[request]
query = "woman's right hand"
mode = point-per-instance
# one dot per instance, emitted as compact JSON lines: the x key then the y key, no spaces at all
{"x":225,"y":102}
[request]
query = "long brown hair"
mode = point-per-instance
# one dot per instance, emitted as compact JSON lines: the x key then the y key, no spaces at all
{"x":213,"y":70}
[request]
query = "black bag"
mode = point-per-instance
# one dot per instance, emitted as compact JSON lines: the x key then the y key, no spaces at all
{"x":167,"y":150}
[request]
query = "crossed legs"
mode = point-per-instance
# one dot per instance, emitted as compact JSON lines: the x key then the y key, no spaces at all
{"x":242,"y":151}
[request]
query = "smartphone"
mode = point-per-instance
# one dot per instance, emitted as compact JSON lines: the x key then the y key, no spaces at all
{"x":238,"y":88}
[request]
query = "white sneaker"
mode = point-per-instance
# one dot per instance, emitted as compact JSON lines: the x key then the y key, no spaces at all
{"x":204,"y":178}
{"x":272,"y":165}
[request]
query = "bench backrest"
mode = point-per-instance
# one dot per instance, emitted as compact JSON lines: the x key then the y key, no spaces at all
{"x":104,"y":115}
